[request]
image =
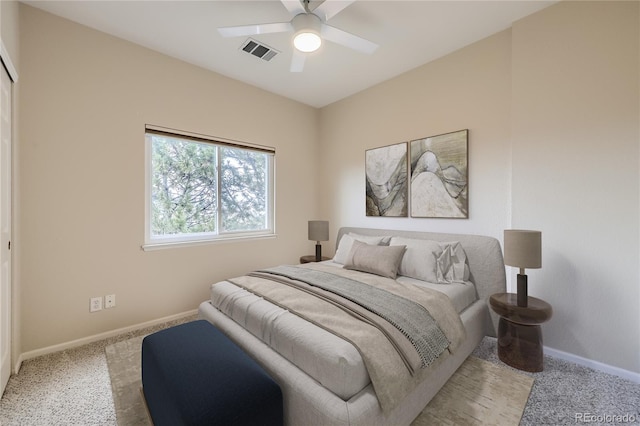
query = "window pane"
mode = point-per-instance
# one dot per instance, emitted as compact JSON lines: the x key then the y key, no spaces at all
{"x":183,"y":187}
{"x":243,"y":189}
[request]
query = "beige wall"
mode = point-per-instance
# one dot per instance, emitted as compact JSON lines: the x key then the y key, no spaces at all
{"x":552,"y":108}
{"x":85,"y":101}
{"x":469,"y":89}
{"x":9,"y":28}
{"x":575,"y":125}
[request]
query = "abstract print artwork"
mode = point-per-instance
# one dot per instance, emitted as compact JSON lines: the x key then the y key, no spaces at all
{"x":386,"y":181}
{"x":439,"y":179}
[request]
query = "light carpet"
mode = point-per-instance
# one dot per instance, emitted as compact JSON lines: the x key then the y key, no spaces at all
{"x":479,"y":393}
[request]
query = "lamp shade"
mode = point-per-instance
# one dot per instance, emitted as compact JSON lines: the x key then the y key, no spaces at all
{"x":319,"y":230}
{"x":522,"y":248}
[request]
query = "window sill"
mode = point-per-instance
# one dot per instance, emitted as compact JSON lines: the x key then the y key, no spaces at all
{"x":178,"y":244}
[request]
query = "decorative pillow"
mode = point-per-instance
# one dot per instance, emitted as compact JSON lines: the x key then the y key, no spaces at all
{"x":344,"y":246}
{"x":375,"y":240}
{"x":419,"y":261}
{"x":451,"y":265}
{"x":379,"y":260}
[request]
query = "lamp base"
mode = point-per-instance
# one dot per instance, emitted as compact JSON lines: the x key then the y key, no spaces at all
{"x":522,"y":290}
{"x":318,"y":252}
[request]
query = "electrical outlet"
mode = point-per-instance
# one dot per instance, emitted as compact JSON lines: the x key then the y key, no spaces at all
{"x":110,"y":301}
{"x":96,"y":304}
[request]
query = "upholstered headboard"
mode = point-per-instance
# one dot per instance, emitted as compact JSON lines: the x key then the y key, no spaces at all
{"x":484,"y":256}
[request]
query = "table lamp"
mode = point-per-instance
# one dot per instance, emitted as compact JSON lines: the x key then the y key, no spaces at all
{"x":522,"y":249}
{"x":318,"y":231}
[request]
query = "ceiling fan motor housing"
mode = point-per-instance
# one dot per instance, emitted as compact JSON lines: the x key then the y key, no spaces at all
{"x":306,"y":27}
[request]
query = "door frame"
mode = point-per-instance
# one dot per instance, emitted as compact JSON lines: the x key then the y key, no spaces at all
{"x":5,"y":60}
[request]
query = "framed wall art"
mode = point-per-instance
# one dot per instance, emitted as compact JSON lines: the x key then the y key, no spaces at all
{"x":439,"y":176}
{"x":386,"y":181}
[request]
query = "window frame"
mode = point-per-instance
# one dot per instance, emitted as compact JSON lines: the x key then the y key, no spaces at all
{"x":152,"y":242}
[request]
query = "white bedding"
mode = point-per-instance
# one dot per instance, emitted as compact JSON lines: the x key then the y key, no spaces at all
{"x":330,"y":360}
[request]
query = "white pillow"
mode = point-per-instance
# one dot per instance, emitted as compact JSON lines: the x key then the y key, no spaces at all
{"x":451,"y":265}
{"x":382,"y":240}
{"x":433,"y":261}
{"x":420,"y":258}
{"x":379,"y":260}
{"x":344,"y":246}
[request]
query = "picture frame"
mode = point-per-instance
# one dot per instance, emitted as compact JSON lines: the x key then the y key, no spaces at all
{"x":386,"y":180}
{"x":439,"y":176}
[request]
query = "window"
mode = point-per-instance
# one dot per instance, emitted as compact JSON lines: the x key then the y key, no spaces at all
{"x":200,"y":189}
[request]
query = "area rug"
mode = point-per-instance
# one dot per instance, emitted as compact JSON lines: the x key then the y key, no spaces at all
{"x":124,"y":360}
{"x":479,"y":393}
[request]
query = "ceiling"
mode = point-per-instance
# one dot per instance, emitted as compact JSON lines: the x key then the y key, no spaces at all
{"x":409,"y":33}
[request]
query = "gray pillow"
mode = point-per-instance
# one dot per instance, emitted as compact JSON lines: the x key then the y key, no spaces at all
{"x":379,"y":260}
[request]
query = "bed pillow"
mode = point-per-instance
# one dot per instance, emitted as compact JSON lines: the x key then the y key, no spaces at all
{"x":376,"y":240}
{"x":420,"y":259}
{"x":346,"y":242}
{"x":378,"y":260}
{"x":451,"y":265}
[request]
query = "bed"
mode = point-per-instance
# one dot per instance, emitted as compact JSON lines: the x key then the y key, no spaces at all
{"x":325,"y":376}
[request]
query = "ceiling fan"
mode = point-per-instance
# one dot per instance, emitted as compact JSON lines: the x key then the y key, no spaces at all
{"x":309,"y":28}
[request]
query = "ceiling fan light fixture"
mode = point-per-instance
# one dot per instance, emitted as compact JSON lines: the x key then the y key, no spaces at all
{"x":307,"y":41}
{"x":306,"y":37}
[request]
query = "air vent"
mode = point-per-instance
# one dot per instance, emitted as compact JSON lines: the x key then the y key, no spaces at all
{"x":258,"y":49}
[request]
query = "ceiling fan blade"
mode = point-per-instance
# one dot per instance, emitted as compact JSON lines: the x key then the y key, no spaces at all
{"x":330,"y":8}
{"x":346,"y":39}
{"x":247,"y":30}
{"x":294,"y":7}
{"x":297,"y":61}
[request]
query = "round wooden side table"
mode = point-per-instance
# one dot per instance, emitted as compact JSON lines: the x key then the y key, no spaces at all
{"x":519,"y":331}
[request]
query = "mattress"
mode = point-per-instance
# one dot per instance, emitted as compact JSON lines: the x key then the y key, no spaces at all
{"x":335,"y":363}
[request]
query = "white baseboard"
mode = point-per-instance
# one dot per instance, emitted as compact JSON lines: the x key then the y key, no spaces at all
{"x":596,"y":365}
{"x":96,"y":337}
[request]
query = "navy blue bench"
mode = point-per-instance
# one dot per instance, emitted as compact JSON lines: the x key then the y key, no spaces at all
{"x":192,"y":374}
